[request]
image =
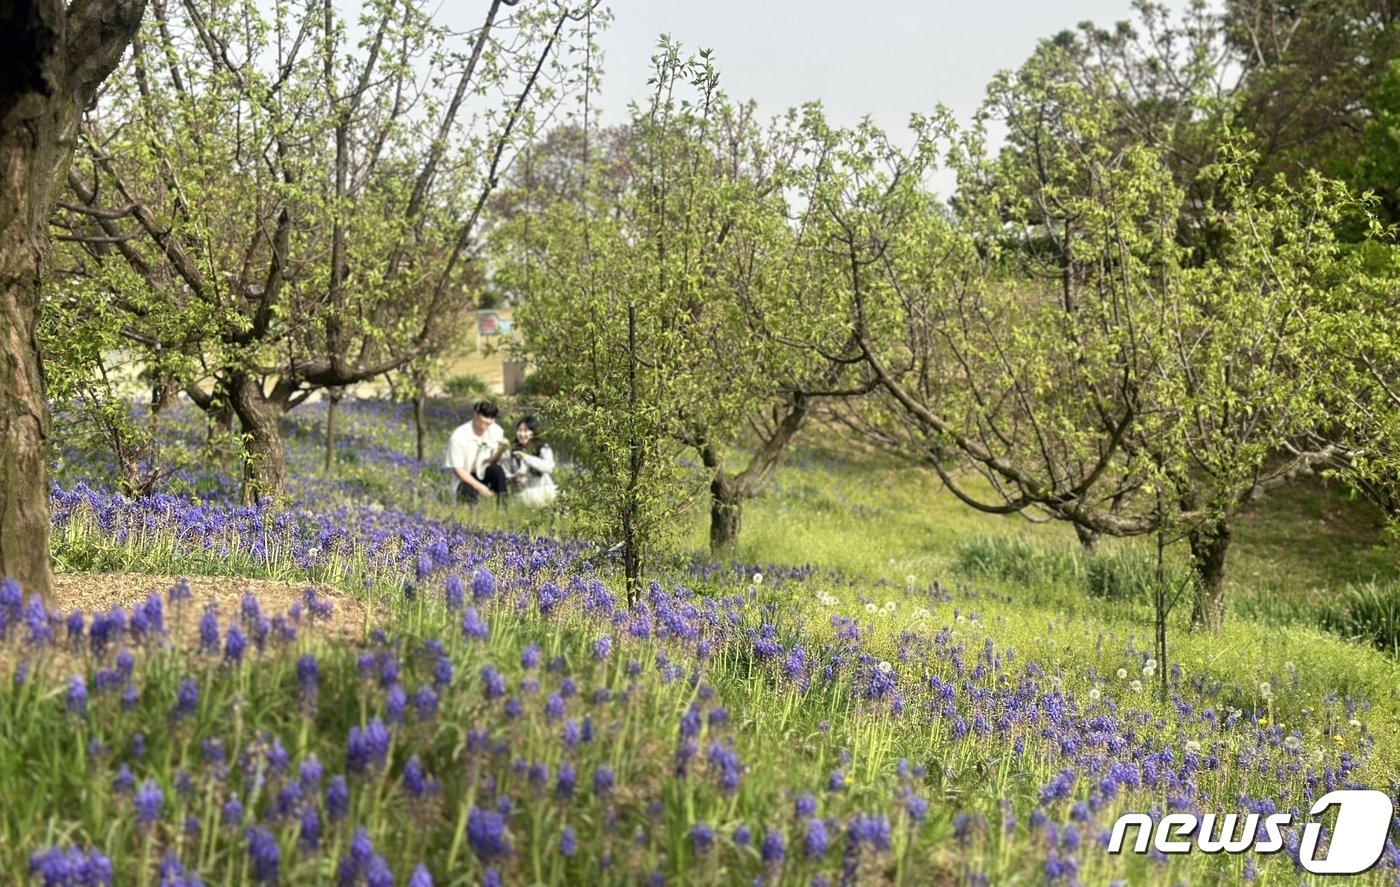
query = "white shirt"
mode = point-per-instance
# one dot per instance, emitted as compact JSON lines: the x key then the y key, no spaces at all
{"x":472,"y":451}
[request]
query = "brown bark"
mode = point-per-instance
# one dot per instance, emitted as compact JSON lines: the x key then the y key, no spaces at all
{"x":726,"y":516}
{"x":1210,"y":543}
{"x":260,"y":421}
{"x":728,"y":493}
{"x":52,"y":59}
{"x":420,"y":411}
{"x":332,"y":413}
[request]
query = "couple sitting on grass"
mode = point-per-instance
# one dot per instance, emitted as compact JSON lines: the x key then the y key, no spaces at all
{"x":485,"y":466}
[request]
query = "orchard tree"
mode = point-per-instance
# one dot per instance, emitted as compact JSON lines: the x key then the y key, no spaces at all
{"x":652,"y":300}
{"x":1059,"y":344}
{"x":56,"y":58}
{"x":292,"y":208}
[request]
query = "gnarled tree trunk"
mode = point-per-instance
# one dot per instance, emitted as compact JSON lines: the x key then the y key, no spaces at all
{"x":1209,"y":543}
{"x":52,"y":59}
{"x":726,"y":515}
{"x":333,"y":396}
{"x":260,"y":420}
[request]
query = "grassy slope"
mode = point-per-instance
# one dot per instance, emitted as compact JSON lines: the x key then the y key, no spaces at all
{"x":873,"y":518}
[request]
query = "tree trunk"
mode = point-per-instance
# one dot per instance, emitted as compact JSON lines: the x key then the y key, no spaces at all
{"x":726,"y":516}
{"x":420,"y":411}
{"x":25,"y":171}
{"x":54,"y":58}
{"x":1209,"y":545}
{"x":332,"y":413}
{"x":260,"y":420}
{"x":1088,"y":538}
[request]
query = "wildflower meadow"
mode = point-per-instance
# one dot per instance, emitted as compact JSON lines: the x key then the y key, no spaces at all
{"x":496,"y":714}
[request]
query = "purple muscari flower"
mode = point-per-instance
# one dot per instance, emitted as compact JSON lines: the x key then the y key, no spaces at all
{"x":530,"y":657}
{"x":442,"y":672}
{"x":264,"y":854}
{"x":483,"y":585}
{"x":308,"y":676}
{"x":232,"y":814}
{"x":415,"y":783}
{"x":742,"y":836}
{"x":873,"y":830}
{"x":836,"y":782}
{"x":249,"y":609}
{"x":130,"y":696}
{"x":11,"y":602}
{"x":702,"y":838}
{"x":21,"y":672}
{"x":568,"y":842}
{"x":38,"y":621}
{"x":148,"y":802}
{"x":234,"y":645}
{"x":209,"y":630}
{"x":815,"y":842}
{"x":361,"y":851}
{"x":726,"y":762}
{"x":337,"y":799}
{"x":539,"y":774}
{"x":309,"y":833}
{"x":186,"y":699}
{"x":388,"y":671}
{"x":806,"y":806}
{"x":123,"y":783}
{"x":420,"y":877}
{"x":454,"y":593}
{"x":513,"y":708}
{"x":310,"y":773}
{"x":564,"y":784}
{"x":75,"y":628}
{"x":394,"y":703}
{"x":916,"y":806}
{"x":378,"y":873}
{"x":77,"y":695}
{"x":772,"y":847}
{"x":125,"y":662}
{"x":473,"y":627}
{"x":425,"y":703}
{"x":718,"y":717}
{"x":70,"y":867}
{"x":492,"y":682}
{"x":184,"y":784}
{"x":277,"y":757}
{"x":486,"y":834}
{"x":567,"y":688}
{"x":366,"y":749}
{"x":571,"y":733}
{"x":601,"y":648}
{"x":490,"y":878}
{"x":603,"y":781}
{"x":319,"y":607}
{"x":690,"y":723}
{"x":180,"y":591}
{"x":553,"y":708}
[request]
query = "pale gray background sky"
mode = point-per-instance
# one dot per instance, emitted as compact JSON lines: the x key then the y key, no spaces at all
{"x":886,"y":58}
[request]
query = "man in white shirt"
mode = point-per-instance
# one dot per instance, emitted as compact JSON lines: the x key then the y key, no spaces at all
{"x":473,"y":455}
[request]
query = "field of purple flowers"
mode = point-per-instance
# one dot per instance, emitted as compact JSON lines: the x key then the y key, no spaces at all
{"x":507,"y":718}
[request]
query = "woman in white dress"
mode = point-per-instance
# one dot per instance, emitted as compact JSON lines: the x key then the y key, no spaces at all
{"x":531,"y":465}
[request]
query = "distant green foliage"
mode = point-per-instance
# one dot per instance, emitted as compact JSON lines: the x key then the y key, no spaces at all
{"x":1130,"y":575}
{"x":467,"y":386}
{"x":1014,"y":560}
{"x":1367,"y":612}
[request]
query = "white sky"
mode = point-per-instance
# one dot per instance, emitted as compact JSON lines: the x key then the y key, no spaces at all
{"x":885,"y":58}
